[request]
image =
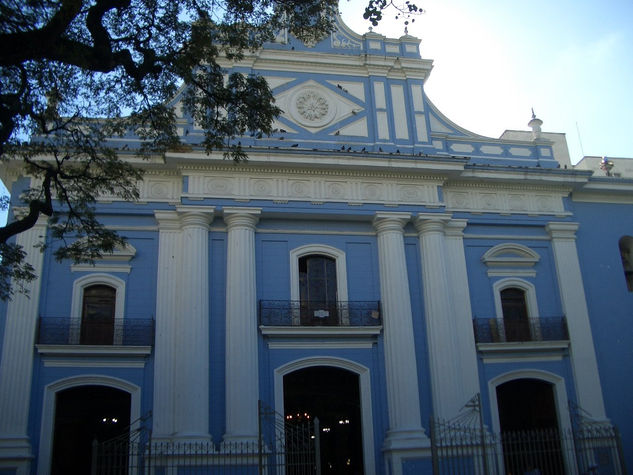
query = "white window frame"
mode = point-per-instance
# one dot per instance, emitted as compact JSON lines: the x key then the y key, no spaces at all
{"x":77,"y":303}
{"x":341,"y":272}
{"x":530,"y":302}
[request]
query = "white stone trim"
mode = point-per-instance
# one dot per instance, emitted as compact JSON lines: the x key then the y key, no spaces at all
{"x":241,"y":359}
{"x":523,"y":351}
{"x":531,"y":301}
{"x":519,"y":200}
{"x":48,"y":410}
{"x":341,"y":268}
{"x":364,"y":377}
{"x":311,"y":332}
{"x":527,"y":287}
{"x":510,"y":259}
{"x":315,"y":186}
{"x":16,"y":361}
{"x":574,"y":302}
{"x":403,"y":397}
{"x":77,"y":302}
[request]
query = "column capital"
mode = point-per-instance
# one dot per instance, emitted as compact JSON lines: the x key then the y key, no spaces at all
{"x":385,"y":221}
{"x":241,"y":217}
{"x":559,"y":230}
{"x":431,"y":222}
{"x":455,"y":227}
{"x":167,"y":220}
{"x":196,"y":215}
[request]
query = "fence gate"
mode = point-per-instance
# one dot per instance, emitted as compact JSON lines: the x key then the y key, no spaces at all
{"x":282,"y":447}
{"x":288,"y":446}
{"x":463,"y":445}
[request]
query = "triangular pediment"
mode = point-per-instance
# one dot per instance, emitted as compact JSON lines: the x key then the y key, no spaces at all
{"x":314,"y":106}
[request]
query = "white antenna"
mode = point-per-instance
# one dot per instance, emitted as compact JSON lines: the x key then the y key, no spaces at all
{"x":579,"y":139}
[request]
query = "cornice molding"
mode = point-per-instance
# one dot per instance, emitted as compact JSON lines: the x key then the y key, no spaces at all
{"x":508,"y":186}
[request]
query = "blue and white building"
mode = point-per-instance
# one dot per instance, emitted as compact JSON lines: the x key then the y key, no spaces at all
{"x":372,"y":262}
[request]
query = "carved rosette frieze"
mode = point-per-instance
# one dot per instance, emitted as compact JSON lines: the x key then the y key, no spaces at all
{"x":312,"y":107}
{"x":506,"y":201}
{"x":315,"y":188}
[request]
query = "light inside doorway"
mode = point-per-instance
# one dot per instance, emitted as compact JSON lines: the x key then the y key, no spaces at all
{"x":530,"y":432}
{"x":332,"y":395}
{"x":84,"y":414}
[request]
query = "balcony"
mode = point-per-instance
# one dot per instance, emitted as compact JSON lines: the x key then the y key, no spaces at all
{"x":494,"y":330}
{"x":292,"y":313}
{"x":534,"y":338}
{"x":67,"y":331}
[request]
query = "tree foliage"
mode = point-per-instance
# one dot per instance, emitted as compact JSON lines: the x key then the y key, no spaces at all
{"x":77,"y":74}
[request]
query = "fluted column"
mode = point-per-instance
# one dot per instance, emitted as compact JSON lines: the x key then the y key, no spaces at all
{"x":582,"y":353}
{"x":167,"y":308}
{"x":242,"y":389}
{"x":465,"y":350}
{"x":16,"y":365}
{"x":445,"y":376}
{"x":403,"y":398}
{"x":191,"y":327}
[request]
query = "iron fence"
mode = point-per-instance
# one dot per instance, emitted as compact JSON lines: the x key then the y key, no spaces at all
{"x":280,"y":448}
{"x":463,"y":445}
{"x":68,"y":331}
{"x":495,"y":330}
{"x":318,"y":313}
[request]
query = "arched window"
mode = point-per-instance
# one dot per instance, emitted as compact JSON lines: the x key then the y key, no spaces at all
{"x":626,"y":253}
{"x":318,"y":282}
{"x":515,"y":314}
{"x":97,"y":294}
{"x":318,"y":290}
{"x":97,"y":315}
{"x":516,"y":310}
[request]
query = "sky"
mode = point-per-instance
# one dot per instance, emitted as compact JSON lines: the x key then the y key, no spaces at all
{"x":495,"y":60}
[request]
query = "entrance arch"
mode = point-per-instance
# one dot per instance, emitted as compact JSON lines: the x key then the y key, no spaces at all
{"x":84,"y":414}
{"x":49,"y":409}
{"x":530,"y":412}
{"x":341,"y":369}
{"x":332,"y":395}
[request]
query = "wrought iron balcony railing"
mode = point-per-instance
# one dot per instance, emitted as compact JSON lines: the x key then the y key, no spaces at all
{"x":124,"y":332}
{"x":286,"y":313}
{"x":494,"y":330}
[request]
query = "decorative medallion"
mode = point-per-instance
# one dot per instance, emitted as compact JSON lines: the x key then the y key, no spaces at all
{"x":311,"y":108}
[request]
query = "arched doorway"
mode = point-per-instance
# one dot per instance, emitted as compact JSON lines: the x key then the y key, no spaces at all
{"x":530,"y":432}
{"x":332,"y":395}
{"x":84,"y":414}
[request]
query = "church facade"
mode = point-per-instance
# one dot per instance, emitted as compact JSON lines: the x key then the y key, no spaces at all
{"x":372,"y":264}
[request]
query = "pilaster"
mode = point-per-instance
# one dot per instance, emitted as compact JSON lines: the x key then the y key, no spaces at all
{"x":442,"y":339}
{"x":192,"y":328}
{"x":16,"y":364}
{"x":465,"y":350}
{"x":181,"y":369}
{"x":574,"y":302}
{"x":167,"y":307}
{"x":403,"y":398}
{"x":242,"y":389}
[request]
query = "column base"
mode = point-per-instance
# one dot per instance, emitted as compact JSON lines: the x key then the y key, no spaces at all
{"x":407,"y":451}
{"x":406,"y":439}
{"x":15,"y":455}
